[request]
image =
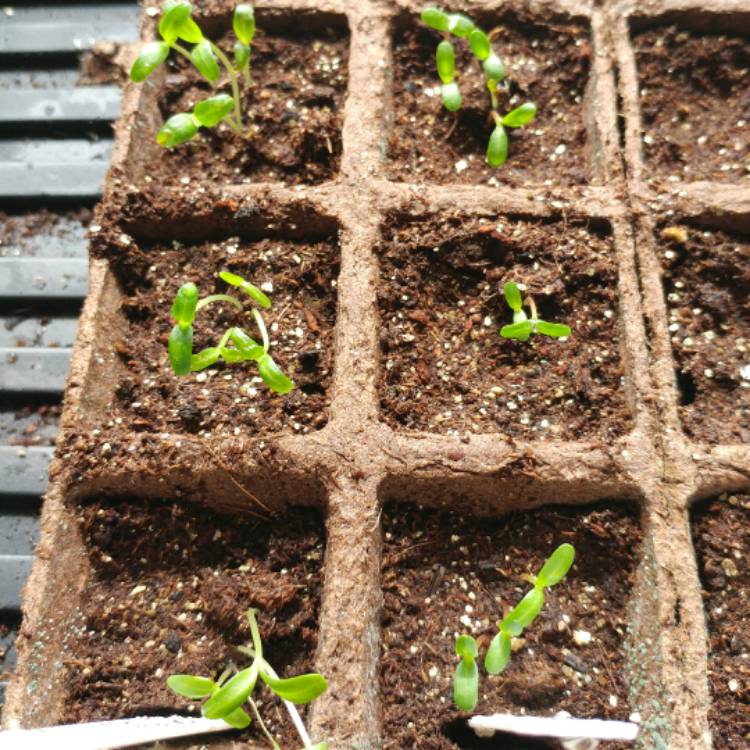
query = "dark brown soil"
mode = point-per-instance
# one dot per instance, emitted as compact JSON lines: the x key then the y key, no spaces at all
{"x":228,"y":399}
{"x":547,"y":63}
{"x":695,"y":104}
{"x":168,"y":595}
{"x":293,"y":115}
{"x":721,"y":533}
{"x":707,"y":284}
{"x":445,"y":367}
{"x":444,"y":574}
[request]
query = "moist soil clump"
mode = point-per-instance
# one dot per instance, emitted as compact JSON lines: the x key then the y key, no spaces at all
{"x":300,"y":278}
{"x":544,"y":63}
{"x":721,"y":534}
{"x":445,"y":574}
{"x":695,"y":104}
{"x":446,"y":368}
{"x":707,"y":284}
{"x":293,"y":115}
{"x":168,"y":594}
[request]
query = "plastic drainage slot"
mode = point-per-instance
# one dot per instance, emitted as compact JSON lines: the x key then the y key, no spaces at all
{"x":464,"y":737}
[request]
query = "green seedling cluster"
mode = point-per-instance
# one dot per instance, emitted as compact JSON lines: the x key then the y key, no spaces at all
{"x":176,"y":26}
{"x":461,"y":27}
{"x":236,"y":345}
{"x":466,"y":680}
{"x":523,"y":325}
{"x":228,"y":696}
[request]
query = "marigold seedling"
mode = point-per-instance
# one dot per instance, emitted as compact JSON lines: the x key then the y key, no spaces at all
{"x":523,"y":325}
{"x":460,"y":26}
{"x":236,"y":345}
{"x":177,"y":25}
{"x":232,"y":691}
{"x":466,"y":680}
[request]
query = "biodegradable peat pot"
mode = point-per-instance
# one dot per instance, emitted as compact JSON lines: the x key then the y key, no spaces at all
{"x":416,"y":439}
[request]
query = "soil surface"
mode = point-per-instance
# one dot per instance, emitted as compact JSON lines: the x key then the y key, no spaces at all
{"x":695,"y":104}
{"x":300,"y":279}
{"x":293,"y":114}
{"x":544,"y":63}
{"x":721,"y":534}
{"x":444,"y":574}
{"x":707,"y":284}
{"x":445,"y":367}
{"x":169,"y":590}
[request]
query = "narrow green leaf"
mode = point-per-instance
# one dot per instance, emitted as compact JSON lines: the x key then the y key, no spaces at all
{"x":460,"y":25}
{"x":451,"y":96}
{"x":520,"y":331}
{"x":175,"y":13}
{"x":298,"y":690}
{"x":204,"y":59}
{"x":519,"y":116}
{"x":238,"y":719}
{"x":497,"y":147}
{"x":256,"y":294}
{"x":498,"y":654}
{"x":230,"y":697}
{"x":558,"y":564}
{"x":480,"y":44}
{"x":513,"y":296}
{"x":527,"y":610}
{"x":466,"y":647}
{"x":556,"y":330}
{"x":466,"y":684}
{"x":493,"y":68}
{"x":178,"y":129}
{"x":243,"y":22}
{"x":435,"y":19}
{"x":212,"y":111}
{"x":241,"y":55}
{"x":185,"y":302}
{"x":272,"y":375}
{"x":445,"y":57}
{"x":151,"y":57}
{"x":242,"y":340}
{"x":180,"y":348}
{"x":205,"y":358}
{"x":190,"y":686}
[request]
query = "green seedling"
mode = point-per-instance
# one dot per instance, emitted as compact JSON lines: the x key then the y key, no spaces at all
{"x":466,"y":680}
{"x":523,"y":325}
{"x":458,"y":25}
{"x":236,"y":345}
{"x":228,"y":696}
{"x":176,"y":26}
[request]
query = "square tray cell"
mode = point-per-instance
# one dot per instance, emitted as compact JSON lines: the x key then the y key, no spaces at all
{"x":293,"y":113}
{"x":299,"y":277}
{"x":445,"y":367}
{"x":546,"y":61}
{"x":695,"y":104}
{"x":446,"y":574}
{"x":721,"y":534}
{"x":169,"y":588}
{"x":707,"y":283}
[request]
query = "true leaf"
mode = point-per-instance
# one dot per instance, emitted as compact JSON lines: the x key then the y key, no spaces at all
{"x":177,"y":129}
{"x":243,"y":22}
{"x":557,"y":330}
{"x":190,"y":686}
{"x":151,"y":57}
{"x":272,"y":375}
{"x":520,"y":115}
{"x":497,"y":147}
{"x":232,"y":695}
{"x":493,"y":68}
{"x":180,"y":348}
{"x":558,"y":564}
{"x":480,"y":44}
{"x":175,"y":13}
{"x":205,"y":358}
{"x":527,"y":610}
{"x":185,"y":302}
{"x":238,"y":719}
{"x":466,"y":684}
{"x":241,"y":55}
{"x":212,"y":111}
{"x":451,"y":96}
{"x":298,"y":690}
{"x":498,"y":654}
{"x":435,"y":19}
{"x":445,"y":57}
{"x":520,"y":331}
{"x":460,"y":25}
{"x":513,"y":295}
{"x":204,"y":59}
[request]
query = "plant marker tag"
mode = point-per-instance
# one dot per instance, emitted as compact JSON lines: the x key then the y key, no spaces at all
{"x":100,"y":735}
{"x":562,"y":727}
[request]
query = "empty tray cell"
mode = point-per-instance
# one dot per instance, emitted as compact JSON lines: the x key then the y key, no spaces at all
{"x":721,"y":534}
{"x":707,"y":283}
{"x":445,"y":367}
{"x":546,"y":61}
{"x":293,"y":113}
{"x":695,"y":103}
{"x":445,"y":574}
{"x":300,"y":279}
{"x":168,"y":592}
